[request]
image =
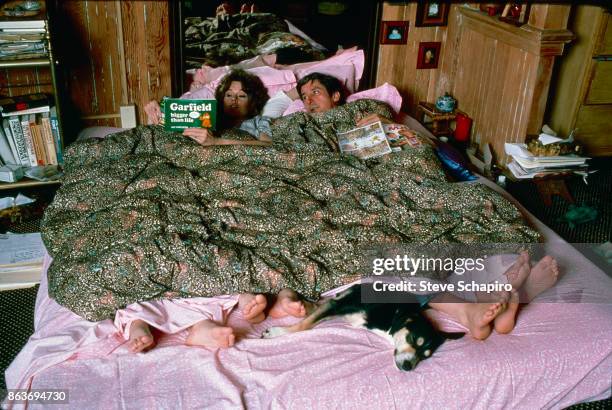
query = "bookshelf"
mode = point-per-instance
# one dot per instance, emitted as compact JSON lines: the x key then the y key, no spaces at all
{"x":48,"y":84}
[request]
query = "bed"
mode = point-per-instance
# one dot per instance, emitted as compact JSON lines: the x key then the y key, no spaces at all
{"x":546,"y":362}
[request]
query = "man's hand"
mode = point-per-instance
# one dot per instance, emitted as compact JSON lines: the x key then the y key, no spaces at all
{"x":372,"y":118}
{"x":153,"y":111}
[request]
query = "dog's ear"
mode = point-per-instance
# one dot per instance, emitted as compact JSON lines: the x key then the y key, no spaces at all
{"x":452,"y":335}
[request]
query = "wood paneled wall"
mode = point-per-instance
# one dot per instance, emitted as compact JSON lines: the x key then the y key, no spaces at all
{"x":500,"y":74}
{"x":111,"y":53}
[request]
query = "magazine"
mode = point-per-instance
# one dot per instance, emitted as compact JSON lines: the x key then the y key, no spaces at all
{"x":180,"y":113}
{"x":365,"y":142}
{"x":399,"y":134}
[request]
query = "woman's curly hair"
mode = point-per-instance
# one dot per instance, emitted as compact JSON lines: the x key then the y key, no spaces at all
{"x":251,"y":85}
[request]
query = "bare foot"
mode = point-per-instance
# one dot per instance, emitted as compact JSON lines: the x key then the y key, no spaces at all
{"x":253,"y":307}
{"x":504,"y":322}
{"x":478,"y":317}
{"x":140,"y":336}
{"x":288,"y":303}
{"x":519,"y":271}
{"x":543,"y":276}
{"x":209,"y":334}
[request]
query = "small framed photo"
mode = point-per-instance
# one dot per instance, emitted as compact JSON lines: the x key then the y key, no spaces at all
{"x":429,"y":55}
{"x":432,"y":13}
{"x":394,"y":32}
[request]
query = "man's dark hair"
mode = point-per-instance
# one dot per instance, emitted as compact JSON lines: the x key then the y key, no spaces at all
{"x":251,"y":85}
{"x":331,"y":84}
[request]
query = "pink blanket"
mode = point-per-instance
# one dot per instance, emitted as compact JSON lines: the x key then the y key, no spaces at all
{"x":560,"y":353}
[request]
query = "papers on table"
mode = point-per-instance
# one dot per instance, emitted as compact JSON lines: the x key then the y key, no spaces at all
{"x":21,"y":259}
{"x":525,"y":165}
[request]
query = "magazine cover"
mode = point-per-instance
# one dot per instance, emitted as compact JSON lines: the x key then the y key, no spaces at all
{"x":399,"y":134}
{"x":365,"y":142}
{"x":180,"y":114}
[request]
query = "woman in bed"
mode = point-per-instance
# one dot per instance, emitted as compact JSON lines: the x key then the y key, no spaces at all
{"x":242,"y":97}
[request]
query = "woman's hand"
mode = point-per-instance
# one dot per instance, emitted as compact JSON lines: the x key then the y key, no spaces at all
{"x":153,"y":111}
{"x":372,"y":118}
{"x":202,"y":136}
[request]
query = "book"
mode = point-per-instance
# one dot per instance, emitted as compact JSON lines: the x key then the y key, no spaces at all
{"x":6,"y":129}
{"x":27,"y":136}
{"x":20,"y":143}
{"x":369,"y":141}
{"x":22,"y":24}
{"x":21,"y":260}
{"x":57,"y":138}
{"x":23,"y":15}
{"x":23,"y":102}
{"x":11,"y":173}
{"x":37,"y":140}
{"x":180,"y":114}
{"x":6,"y":154}
{"x":34,"y":110}
{"x":45,"y":124}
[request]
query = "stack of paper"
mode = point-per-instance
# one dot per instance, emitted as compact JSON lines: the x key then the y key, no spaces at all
{"x":21,"y":259}
{"x":526,"y":165}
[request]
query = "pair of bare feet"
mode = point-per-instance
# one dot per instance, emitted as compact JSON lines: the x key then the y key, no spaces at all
{"x":207,"y":333}
{"x":498,"y":310}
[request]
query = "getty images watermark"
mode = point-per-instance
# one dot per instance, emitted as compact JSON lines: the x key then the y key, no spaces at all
{"x":558,"y":273}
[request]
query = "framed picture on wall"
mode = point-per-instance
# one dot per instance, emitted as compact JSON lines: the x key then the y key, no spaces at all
{"x":394,"y":32}
{"x":432,"y":13}
{"x":429,"y":55}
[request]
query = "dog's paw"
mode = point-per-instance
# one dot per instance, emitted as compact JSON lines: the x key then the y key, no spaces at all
{"x":274,"y":332}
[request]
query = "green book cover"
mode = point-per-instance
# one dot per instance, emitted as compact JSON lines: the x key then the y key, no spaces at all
{"x":180,"y":114}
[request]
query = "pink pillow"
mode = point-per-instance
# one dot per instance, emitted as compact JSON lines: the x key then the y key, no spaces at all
{"x":344,"y":73}
{"x":347,"y":67}
{"x":385,"y":93}
{"x":275,"y":80}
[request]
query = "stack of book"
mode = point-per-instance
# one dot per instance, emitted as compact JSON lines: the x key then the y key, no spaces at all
{"x":21,"y":260}
{"x":29,"y":132}
{"x":525,"y":165}
{"x":22,"y":34}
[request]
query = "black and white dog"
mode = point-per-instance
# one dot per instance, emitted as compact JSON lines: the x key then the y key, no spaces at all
{"x":403,"y":324}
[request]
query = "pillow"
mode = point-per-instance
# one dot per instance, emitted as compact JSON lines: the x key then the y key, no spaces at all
{"x":275,"y":80}
{"x":385,"y":93}
{"x":346,"y":66}
{"x":344,"y":73}
{"x":98,"y":132}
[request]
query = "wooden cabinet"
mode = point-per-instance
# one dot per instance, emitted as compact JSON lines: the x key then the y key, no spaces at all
{"x":583,"y":91}
{"x":19,"y":76}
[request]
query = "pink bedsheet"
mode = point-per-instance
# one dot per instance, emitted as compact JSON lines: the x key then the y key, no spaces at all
{"x":560,"y":353}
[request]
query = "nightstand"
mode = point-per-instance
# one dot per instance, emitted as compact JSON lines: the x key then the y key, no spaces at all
{"x":440,"y":121}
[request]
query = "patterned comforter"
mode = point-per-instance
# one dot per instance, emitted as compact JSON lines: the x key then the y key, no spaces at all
{"x":147,"y":214}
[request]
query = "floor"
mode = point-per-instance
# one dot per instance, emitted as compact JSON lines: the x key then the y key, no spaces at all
{"x":17,"y":306}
